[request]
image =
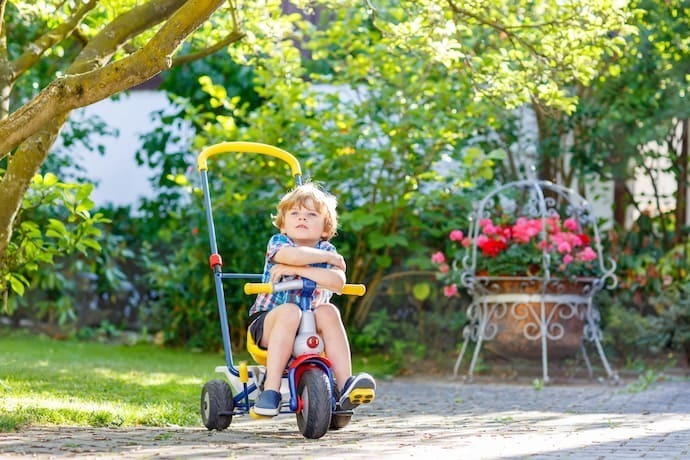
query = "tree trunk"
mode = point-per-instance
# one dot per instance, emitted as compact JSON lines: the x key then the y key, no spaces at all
{"x":682,"y":181}
{"x":620,"y":199}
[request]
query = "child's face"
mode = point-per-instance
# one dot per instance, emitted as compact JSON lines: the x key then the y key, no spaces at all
{"x":304,"y":225}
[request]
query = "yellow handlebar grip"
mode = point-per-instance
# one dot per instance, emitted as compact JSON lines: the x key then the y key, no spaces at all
{"x":354,"y":289}
{"x":258,"y":288}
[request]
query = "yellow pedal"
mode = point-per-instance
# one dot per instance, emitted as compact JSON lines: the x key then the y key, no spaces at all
{"x":256,"y":416}
{"x":362,"y":395}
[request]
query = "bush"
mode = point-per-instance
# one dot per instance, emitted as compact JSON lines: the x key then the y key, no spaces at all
{"x":411,"y":321}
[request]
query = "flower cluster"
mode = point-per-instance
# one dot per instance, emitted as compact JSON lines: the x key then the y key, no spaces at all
{"x":522,"y":248}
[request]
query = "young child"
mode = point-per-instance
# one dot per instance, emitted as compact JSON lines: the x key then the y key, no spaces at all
{"x":307,"y":220}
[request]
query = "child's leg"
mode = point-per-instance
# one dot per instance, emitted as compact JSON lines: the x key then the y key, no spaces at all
{"x":280,"y":329}
{"x":353,"y":390}
{"x":337,"y":347}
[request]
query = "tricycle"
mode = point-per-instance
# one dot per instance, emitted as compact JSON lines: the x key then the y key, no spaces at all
{"x":308,"y":388}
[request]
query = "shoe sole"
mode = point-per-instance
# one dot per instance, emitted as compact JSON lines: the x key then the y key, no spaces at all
{"x":263,"y":413}
{"x":362,"y":396}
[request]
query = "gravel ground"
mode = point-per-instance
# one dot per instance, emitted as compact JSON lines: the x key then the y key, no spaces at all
{"x":415,"y":418}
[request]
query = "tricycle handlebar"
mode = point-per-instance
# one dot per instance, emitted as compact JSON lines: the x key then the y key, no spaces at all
{"x":268,"y":288}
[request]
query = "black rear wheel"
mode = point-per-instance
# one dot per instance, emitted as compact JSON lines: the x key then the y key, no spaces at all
{"x":216,"y":405}
{"x":339,"y":421}
{"x":314,"y":390}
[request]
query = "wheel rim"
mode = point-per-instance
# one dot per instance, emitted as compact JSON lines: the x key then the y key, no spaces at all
{"x":207,"y":405}
{"x":305,"y":402}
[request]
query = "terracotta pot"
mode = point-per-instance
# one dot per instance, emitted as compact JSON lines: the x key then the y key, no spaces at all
{"x":516,"y":321}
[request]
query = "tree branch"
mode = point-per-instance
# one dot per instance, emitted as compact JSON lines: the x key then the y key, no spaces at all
{"x":101,"y":48}
{"x":231,"y":38}
{"x":3,"y":38}
{"x":36,"y":49}
{"x":82,"y":89}
{"x":510,"y":30}
{"x":5,"y":73}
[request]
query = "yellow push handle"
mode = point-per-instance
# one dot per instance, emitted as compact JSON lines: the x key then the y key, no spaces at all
{"x":248,"y":147}
{"x":267,"y":288}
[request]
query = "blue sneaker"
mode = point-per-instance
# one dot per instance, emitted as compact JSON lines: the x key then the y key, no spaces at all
{"x":268,"y":403}
{"x":358,"y":389}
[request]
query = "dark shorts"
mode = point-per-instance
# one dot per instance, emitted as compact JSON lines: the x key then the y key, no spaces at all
{"x":256,"y":327}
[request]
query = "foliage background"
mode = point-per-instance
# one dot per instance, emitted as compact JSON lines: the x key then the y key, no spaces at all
{"x":407,"y":111}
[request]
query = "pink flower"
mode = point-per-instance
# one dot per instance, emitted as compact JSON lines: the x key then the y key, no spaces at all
{"x":456,"y":235}
{"x":570,"y":224}
{"x":438,"y":258}
{"x":450,"y":290}
{"x":564,"y":247}
{"x":587,"y":254}
{"x":490,"y":229}
{"x":444,"y":268}
{"x":524,"y":229}
{"x":553,"y":225}
{"x":567,"y":259}
{"x":566,"y":238}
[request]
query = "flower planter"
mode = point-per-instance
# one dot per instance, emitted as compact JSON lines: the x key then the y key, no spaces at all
{"x":549,"y":235}
{"x":519,"y":311}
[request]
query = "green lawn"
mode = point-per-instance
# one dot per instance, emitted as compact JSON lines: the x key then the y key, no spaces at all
{"x":53,"y":382}
{"x":44,"y":381}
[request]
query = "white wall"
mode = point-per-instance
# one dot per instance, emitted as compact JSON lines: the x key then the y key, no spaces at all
{"x":121,"y":180}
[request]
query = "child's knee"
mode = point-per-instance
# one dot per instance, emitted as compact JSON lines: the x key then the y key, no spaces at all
{"x":327,"y":313}
{"x":286,"y":314}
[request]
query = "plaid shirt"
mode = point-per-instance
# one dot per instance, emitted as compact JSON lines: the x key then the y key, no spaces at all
{"x":266,"y":302}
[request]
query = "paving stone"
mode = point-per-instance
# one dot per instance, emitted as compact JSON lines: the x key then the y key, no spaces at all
{"x":437,"y":418}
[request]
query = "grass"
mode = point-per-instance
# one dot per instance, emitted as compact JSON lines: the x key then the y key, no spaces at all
{"x":51,"y":382}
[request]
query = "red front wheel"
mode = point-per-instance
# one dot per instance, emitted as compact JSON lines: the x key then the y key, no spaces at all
{"x":314,"y":392}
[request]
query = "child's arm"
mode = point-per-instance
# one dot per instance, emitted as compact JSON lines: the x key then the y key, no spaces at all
{"x":332,"y":279}
{"x":305,"y":255}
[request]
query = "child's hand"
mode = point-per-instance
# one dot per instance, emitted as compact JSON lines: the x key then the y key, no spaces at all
{"x":336,"y":260}
{"x":280,"y":270}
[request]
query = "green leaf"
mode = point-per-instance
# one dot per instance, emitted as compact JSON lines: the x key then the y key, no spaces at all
{"x":89,"y":243}
{"x":421,"y":291}
{"x":83,"y":194}
{"x":56,"y":228}
{"x":383,"y":261}
{"x":16,"y":285}
{"x":50,"y":179}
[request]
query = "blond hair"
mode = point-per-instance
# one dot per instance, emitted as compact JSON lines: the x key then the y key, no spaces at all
{"x":310,"y":196}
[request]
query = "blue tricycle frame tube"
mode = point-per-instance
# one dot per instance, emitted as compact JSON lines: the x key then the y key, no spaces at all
{"x":218,"y":275}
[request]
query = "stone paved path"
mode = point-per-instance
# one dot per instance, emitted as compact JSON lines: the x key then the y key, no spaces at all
{"x":412,"y":418}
